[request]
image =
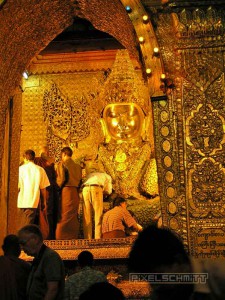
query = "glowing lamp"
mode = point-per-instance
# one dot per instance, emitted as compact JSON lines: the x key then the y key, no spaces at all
{"x":25,"y":75}
{"x":148,"y":71}
{"x":163,"y":76}
{"x":128,"y":9}
{"x":141,"y":39}
{"x":145,"y":19}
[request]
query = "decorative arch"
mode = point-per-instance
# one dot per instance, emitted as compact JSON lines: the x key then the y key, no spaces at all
{"x":22,"y":37}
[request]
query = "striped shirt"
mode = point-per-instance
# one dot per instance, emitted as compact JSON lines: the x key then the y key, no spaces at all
{"x":117,"y":219}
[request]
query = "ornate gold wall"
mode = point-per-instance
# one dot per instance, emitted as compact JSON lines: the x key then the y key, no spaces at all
{"x":191,"y":129}
{"x":77,"y":89}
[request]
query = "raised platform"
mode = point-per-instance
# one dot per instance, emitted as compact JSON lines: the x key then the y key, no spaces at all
{"x":118,"y":248}
{"x":110,"y":257}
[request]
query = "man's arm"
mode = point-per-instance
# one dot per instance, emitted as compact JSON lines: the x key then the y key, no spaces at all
{"x":52,"y":290}
{"x":44,"y":199}
{"x":108,"y":185}
{"x":60,"y":174}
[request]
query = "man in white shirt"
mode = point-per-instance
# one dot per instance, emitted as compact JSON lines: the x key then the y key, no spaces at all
{"x":96,"y":184}
{"x":32,"y":183}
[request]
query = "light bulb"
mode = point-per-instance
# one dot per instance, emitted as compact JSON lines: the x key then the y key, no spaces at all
{"x":128,"y":9}
{"x":145,"y":18}
{"x":25,"y":75}
{"x":141,"y":39}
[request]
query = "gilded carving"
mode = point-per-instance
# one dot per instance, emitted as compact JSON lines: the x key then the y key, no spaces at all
{"x":199,"y":22}
{"x":125,"y":163}
{"x":192,"y":97}
{"x":169,"y":176}
{"x":167,"y":161}
{"x":174,"y":223}
{"x":171,"y":192}
{"x":165,"y":131}
{"x":215,"y":94}
{"x":198,"y":68}
{"x":164,"y":116}
{"x":123,"y":85}
{"x":57,"y":109}
{"x":205,"y":130}
{"x":207,"y":189}
{"x":67,"y":120}
{"x":172,"y":208}
{"x":166,"y":145}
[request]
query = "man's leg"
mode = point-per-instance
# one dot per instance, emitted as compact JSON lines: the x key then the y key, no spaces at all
{"x":27,"y":216}
{"x":87,"y":215}
{"x":97,"y":201}
{"x":50,"y":212}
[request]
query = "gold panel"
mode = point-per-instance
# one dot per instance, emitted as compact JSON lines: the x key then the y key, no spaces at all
{"x":165,"y":131}
{"x":173,"y":223}
{"x":164,"y":116}
{"x":172,"y":208}
{"x":171,"y":192}
{"x":169,"y":176}
{"x":167,"y":161}
{"x":166,"y":146}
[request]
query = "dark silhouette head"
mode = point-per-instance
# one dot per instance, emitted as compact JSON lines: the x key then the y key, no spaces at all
{"x":85,"y":258}
{"x":11,"y":245}
{"x":102,"y":290}
{"x":30,"y":239}
{"x":29,"y":155}
{"x":32,"y":229}
{"x":118,"y":200}
{"x":158,"y":250}
{"x":67,"y":151}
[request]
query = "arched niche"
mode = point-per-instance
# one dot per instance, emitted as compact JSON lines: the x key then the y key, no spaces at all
{"x":21,"y":42}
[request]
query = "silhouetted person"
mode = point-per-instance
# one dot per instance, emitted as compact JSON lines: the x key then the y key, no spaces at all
{"x":46,"y":279}
{"x":79,"y":282}
{"x":48,"y":214}
{"x":68,"y":179}
{"x":102,"y":290}
{"x":158,"y":250}
{"x":14,"y":271}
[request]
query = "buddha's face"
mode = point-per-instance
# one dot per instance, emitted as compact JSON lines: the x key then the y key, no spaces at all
{"x":124,"y":120}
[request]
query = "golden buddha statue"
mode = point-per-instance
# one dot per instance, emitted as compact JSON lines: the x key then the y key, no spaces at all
{"x":125,"y":156}
{"x":127,"y":153}
{"x":123,"y":121}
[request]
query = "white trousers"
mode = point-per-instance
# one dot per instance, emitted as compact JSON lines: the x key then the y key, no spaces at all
{"x":92,"y":204}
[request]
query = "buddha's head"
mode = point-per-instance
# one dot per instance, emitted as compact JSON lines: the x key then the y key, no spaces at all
{"x":123,"y":121}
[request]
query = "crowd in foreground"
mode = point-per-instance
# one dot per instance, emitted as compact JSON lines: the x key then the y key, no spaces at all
{"x":156,"y":251}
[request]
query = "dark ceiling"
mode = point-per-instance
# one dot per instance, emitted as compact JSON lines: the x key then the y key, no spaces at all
{"x":79,"y":37}
{"x":82,"y":36}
